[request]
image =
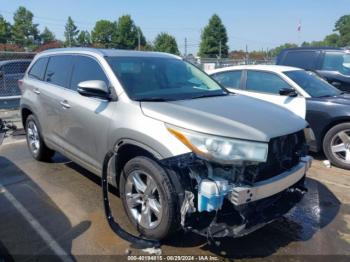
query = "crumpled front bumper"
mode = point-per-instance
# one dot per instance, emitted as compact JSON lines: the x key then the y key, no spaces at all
{"x":269,"y":187}
{"x":248,"y":208}
{"x":233,"y":221}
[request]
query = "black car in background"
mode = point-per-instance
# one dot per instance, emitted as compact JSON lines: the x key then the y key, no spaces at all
{"x":333,"y":64}
{"x":10,"y":72}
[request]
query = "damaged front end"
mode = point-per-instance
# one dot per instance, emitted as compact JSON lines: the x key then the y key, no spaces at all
{"x":220,"y":200}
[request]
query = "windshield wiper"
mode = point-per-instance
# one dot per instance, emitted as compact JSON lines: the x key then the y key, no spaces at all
{"x":209,"y":95}
{"x":152,"y":99}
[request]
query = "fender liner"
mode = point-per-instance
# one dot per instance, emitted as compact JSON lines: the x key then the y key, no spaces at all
{"x":116,"y":228}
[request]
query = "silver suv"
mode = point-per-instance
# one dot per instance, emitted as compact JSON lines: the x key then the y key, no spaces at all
{"x":188,"y":153}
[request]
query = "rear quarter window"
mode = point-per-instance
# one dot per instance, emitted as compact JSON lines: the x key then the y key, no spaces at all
{"x":37,"y":71}
{"x":301,"y":59}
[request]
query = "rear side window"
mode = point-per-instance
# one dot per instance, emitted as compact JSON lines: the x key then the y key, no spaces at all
{"x":265,"y":82}
{"x":302,"y":59}
{"x":229,"y":79}
{"x":37,"y":71}
{"x":58,"y":70}
{"x":84,"y":69}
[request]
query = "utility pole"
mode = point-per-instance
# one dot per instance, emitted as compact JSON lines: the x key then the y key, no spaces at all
{"x":138,"y":39}
{"x":246,"y":54}
{"x":185,"y":47}
{"x":220,"y":49}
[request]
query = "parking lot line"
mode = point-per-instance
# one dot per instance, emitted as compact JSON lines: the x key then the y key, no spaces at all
{"x":48,"y":239}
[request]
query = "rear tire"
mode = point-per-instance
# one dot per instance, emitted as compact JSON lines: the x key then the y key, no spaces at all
{"x":149,"y":198}
{"x":35,"y":142}
{"x":336,"y":145}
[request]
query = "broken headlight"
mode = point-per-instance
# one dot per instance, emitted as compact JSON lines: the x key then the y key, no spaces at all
{"x":221,"y":149}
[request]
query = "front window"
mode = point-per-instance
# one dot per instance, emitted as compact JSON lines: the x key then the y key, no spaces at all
{"x":337,"y":61}
{"x":312,"y":84}
{"x":159,"y":79}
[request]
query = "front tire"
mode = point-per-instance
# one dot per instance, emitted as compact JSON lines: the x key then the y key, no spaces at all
{"x":336,"y":145}
{"x":35,"y":142}
{"x":149,"y":198}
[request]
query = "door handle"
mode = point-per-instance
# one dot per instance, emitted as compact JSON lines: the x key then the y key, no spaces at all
{"x":36,"y":91}
{"x":65,"y":104}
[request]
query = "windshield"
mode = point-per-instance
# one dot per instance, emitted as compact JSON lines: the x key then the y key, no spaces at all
{"x":337,"y":61}
{"x":312,"y":84}
{"x":159,"y":79}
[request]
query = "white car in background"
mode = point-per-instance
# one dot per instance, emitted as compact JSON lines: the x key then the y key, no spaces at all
{"x":324,"y":107}
{"x":265,"y":82}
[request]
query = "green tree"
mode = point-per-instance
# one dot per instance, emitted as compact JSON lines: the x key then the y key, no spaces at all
{"x":102,"y":33}
{"x":274,"y":52}
{"x":5,"y":31}
{"x":71,"y":32}
{"x":84,"y":38}
{"x":166,"y":43}
{"x":24,"y":31}
{"x":332,"y":40}
{"x":47,"y":36}
{"x":343,"y":27}
{"x":127,"y":34}
{"x":214,"y":39}
{"x":147,"y":47}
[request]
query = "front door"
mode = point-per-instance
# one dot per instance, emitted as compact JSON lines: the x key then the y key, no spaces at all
{"x":85,"y":119}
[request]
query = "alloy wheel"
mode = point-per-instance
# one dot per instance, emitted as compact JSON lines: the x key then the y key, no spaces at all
{"x":340,"y":146}
{"x":143,"y":199}
{"x":33,"y":137}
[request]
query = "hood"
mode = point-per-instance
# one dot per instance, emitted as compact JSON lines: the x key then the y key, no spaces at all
{"x":343,"y":99}
{"x":234,"y":116}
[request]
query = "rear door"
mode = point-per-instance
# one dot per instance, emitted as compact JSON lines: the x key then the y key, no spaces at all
{"x":52,"y":94}
{"x":85,"y":120}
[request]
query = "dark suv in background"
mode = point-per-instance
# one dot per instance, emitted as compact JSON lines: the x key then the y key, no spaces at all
{"x":333,"y":64}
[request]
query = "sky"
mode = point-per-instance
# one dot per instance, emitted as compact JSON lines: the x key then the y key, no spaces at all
{"x":255,"y":23}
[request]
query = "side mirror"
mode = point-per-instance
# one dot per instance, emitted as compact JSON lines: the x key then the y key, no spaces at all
{"x":94,"y":88}
{"x":288,"y":92}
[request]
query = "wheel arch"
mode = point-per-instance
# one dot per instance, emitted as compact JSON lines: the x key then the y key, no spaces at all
{"x":126,"y":150}
{"x":25,"y":112}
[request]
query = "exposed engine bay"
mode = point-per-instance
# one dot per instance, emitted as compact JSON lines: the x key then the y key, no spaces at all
{"x":234,"y":200}
{"x":217,"y":200}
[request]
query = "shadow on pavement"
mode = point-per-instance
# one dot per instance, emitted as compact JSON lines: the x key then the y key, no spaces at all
{"x":318,"y":208}
{"x":21,"y":239}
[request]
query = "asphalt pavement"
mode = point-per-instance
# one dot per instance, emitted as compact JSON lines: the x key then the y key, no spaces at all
{"x":54,"y":211}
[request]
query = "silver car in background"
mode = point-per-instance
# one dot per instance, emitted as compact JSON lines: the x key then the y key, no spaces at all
{"x":188,"y":153}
